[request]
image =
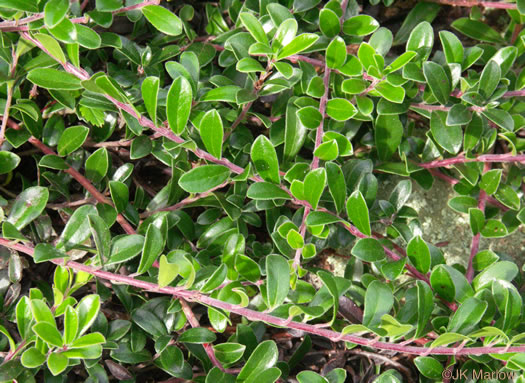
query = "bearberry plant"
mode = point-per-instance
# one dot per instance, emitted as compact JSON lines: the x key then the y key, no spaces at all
{"x":176,"y":176}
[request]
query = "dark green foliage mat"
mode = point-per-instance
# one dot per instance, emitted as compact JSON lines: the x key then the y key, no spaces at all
{"x":178,"y":177}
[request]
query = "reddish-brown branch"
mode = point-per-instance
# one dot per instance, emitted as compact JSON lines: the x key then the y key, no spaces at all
{"x":193,"y":295}
{"x":476,"y":3}
{"x":482,"y":158}
{"x":21,"y":25}
{"x":474,"y":247}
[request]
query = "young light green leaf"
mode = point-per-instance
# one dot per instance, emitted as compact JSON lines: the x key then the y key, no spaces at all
{"x":336,"y":53}
{"x":297,"y":45}
{"x":119,"y":195}
{"x":252,"y":24}
{"x":87,"y":310}
{"x":361,"y":25}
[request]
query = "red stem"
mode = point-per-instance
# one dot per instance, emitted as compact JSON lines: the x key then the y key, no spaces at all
{"x":482,"y":158}
{"x":253,"y":315}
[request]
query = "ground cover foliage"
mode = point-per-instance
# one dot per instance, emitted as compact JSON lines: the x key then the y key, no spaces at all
{"x":175,"y":175}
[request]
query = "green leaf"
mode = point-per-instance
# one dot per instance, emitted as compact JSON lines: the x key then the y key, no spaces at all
{"x":489,"y":79}
{"x":310,"y":377}
{"x":295,"y":132}
{"x":53,"y":162}
{"x":87,"y":310}
{"x":228,"y":353}
{"x":419,"y":254}
{"x":32,"y":358}
{"x":212,"y":132}
{"x":508,"y":196}
{"x":438,"y":81}
{"x":295,"y":239}
{"x":500,"y":117}
{"x":314,"y":184}
{"x":448,"y":137}
{"x":262,"y":358}
{"x":91,"y":339}
{"x":197,"y":335}
{"x":162,"y":19}
{"x":125,"y":248}
{"x":425,"y":306}
{"x":452,"y":47}
{"x":8,"y":161}
{"x":361,"y":25}
{"x":494,"y":229}
{"x":266,"y":191}
{"x":153,"y":246}
{"x":476,"y":30}
{"x":476,"y":220}
{"x":297,"y":45}
{"x":252,"y":24}
{"x":329,"y":23}
{"x":87,"y":37}
{"x":521,"y":6}
{"x":28,"y":206}
{"x":458,"y":115}
{"x":49,"y":78}
{"x":65,"y":31}
{"x":72,"y":139}
{"x":340,"y":109}
{"x":150,"y":92}
{"x":286,"y":31}
{"x":429,"y":367}
{"x":358,"y":212}
{"x":388,"y":135}
{"x":264,"y":158}
{"x":390,"y":92}
{"x":178,"y":104}
{"x":421,"y":40}
{"x":70,"y":325}
{"x":336,"y":185}
{"x":490,"y":181}
{"x":51,"y":45}
{"x":48,"y":333}
{"x":327,"y":151}
{"x":336,"y":53}
{"x":203,"y":178}
{"x":149,"y":322}
{"x":368,"y":250}
{"x":277,"y":281}
{"x":467,"y":316}
{"x":249,"y":65}
{"x":77,"y":228}
{"x":119,"y":195}
{"x":108,"y":5}
{"x":57,"y":363}
{"x":378,"y":302}
{"x":422,"y":11}
{"x":310,"y":117}
{"x":20,"y":5}
{"x":9,"y":231}
{"x":247,"y":268}
{"x":45,"y":252}
{"x":97,"y":165}
{"x":101,"y":235}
